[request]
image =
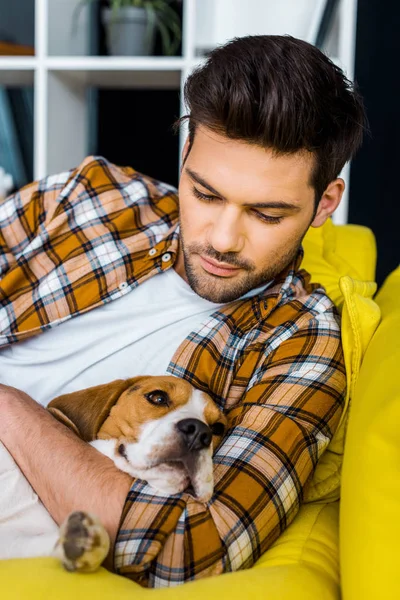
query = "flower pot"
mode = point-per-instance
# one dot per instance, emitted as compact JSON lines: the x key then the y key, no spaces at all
{"x":128,"y":31}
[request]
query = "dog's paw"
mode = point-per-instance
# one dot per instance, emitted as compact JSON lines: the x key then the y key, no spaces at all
{"x":83,"y":543}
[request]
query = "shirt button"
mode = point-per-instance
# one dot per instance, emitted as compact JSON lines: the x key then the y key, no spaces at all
{"x":152,"y":252}
{"x":166,"y":257}
{"x":123,"y":285}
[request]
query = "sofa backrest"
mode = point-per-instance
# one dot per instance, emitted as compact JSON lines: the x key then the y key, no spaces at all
{"x":370,"y":498}
{"x":343,"y":259}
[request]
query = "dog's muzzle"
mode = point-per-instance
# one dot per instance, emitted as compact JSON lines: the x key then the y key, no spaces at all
{"x":195,"y":434}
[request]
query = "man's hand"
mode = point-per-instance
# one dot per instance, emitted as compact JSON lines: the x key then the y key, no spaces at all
{"x":66,"y":473}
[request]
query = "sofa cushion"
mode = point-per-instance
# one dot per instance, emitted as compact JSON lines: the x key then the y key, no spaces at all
{"x":340,"y":275}
{"x":333,"y":251}
{"x":370,"y":504}
{"x":303,"y":564}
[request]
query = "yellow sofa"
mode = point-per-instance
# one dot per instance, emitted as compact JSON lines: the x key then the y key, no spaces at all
{"x":307,"y":561}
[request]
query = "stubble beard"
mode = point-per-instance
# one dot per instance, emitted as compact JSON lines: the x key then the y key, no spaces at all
{"x":222,"y":290}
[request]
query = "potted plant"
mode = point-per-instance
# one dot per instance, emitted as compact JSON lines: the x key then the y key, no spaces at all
{"x":131,"y":25}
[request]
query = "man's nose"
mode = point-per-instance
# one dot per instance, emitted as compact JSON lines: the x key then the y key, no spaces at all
{"x":226,"y":235}
{"x":196,"y":434}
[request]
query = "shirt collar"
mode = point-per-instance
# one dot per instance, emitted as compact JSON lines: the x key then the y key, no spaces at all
{"x":273,"y":292}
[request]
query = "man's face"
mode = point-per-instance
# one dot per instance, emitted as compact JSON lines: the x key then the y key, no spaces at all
{"x":243,"y":214}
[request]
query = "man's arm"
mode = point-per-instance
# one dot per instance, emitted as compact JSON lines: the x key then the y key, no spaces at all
{"x":277,"y":433}
{"x":22,"y":214}
{"x":66,"y":473}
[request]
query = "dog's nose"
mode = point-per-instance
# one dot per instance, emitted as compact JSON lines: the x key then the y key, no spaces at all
{"x":196,"y":434}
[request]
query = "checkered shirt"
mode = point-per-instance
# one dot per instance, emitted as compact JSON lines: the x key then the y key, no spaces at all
{"x":273,"y":362}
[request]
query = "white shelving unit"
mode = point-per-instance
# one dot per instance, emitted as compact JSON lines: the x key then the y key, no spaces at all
{"x":60,"y":83}
{"x":60,"y":72}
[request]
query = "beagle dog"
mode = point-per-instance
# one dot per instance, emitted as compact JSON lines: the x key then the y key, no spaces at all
{"x":156,"y":428}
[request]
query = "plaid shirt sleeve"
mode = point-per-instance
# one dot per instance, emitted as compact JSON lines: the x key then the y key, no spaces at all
{"x":277,"y":433}
{"x":24,"y":215}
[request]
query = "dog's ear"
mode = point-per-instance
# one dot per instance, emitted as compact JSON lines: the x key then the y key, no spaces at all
{"x":85,"y":411}
{"x":60,"y":416}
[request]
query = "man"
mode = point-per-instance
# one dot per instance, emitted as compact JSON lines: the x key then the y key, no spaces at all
{"x":100,"y":261}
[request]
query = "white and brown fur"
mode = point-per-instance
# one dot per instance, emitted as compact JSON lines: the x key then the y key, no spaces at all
{"x":159,"y":429}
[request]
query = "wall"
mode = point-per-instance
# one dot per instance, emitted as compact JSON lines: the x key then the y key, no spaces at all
{"x":374,"y":187}
{"x":221,"y":20}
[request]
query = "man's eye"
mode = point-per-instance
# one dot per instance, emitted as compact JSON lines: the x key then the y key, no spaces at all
{"x":259,"y":215}
{"x":204,"y":197}
{"x":267,"y":218}
{"x":158,"y":398}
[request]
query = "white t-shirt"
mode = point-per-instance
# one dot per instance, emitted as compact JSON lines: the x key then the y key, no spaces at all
{"x":136,"y":334}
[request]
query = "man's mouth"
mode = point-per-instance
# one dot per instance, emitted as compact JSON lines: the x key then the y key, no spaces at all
{"x":216,"y":268}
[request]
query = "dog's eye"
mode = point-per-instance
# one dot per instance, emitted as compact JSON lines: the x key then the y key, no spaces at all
{"x":122,"y":451}
{"x":158,"y":398}
{"x":217,"y":428}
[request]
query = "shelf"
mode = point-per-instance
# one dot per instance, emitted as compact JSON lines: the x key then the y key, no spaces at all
{"x":115,"y":63}
{"x":17,"y":70}
{"x":64,"y":70}
{"x":122,"y":79}
{"x":10,"y":63}
{"x":19,"y":77}
{"x":120,"y":72}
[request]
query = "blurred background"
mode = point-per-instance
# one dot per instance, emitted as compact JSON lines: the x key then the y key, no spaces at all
{"x":81,"y":77}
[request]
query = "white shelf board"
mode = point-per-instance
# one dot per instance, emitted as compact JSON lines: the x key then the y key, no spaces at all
{"x":114,"y":63}
{"x":123,"y":79}
{"x":17,"y":70}
{"x":14,"y":63}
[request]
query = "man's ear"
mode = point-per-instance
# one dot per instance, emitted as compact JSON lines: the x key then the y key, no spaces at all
{"x":329,"y":202}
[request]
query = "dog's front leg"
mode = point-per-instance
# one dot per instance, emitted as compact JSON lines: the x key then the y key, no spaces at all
{"x":83,"y":543}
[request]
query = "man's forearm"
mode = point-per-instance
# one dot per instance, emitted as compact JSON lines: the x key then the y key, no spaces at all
{"x":66,"y":473}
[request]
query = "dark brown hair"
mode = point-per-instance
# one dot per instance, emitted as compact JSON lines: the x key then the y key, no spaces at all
{"x":282,"y":93}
